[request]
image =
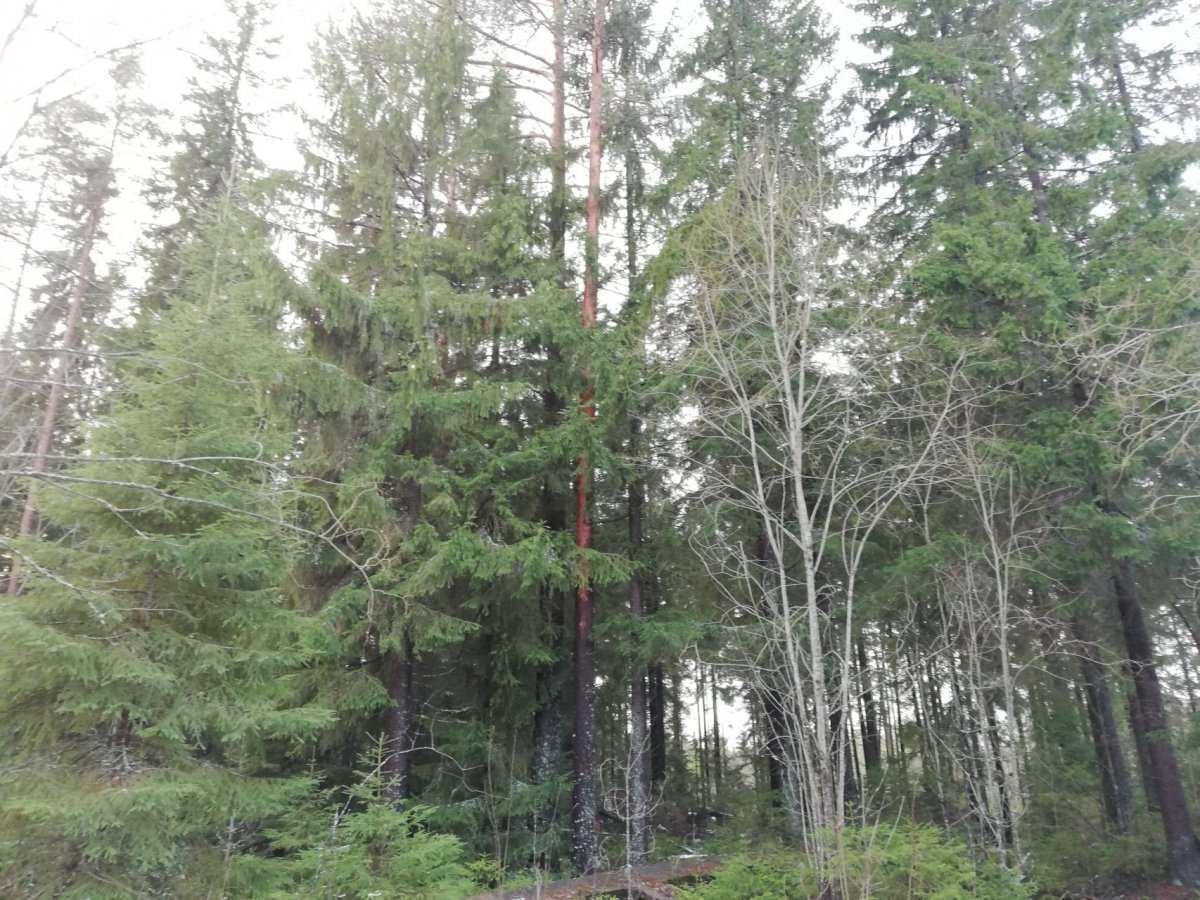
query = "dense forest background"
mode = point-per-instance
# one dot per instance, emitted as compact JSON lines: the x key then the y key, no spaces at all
{"x":623,"y":433}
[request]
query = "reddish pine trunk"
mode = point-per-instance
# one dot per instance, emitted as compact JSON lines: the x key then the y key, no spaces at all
{"x":84,"y":270}
{"x":583,"y":807}
{"x":1183,"y":853}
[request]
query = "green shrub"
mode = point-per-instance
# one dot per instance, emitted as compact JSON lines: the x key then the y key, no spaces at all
{"x":356,"y":843}
{"x":775,"y":877}
{"x":917,"y":861}
{"x":911,"y":862}
{"x":1064,"y":861}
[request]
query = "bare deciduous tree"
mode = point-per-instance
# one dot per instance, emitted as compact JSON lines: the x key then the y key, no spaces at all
{"x":806,"y":442}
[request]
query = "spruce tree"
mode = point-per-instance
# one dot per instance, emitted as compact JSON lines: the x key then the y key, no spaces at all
{"x":149,"y":682}
{"x":1000,"y":151}
{"x":430,"y":325}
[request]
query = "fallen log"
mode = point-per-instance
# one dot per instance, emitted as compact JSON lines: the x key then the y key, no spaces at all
{"x":650,"y":882}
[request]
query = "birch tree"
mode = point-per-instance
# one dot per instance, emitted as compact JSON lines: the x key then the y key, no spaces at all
{"x":804,"y":436}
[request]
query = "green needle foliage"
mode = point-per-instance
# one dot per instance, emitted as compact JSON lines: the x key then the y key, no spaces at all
{"x":151,"y":659}
{"x":895,"y":532}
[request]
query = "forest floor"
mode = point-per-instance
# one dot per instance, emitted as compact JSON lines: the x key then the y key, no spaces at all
{"x":1142,"y":891}
{"x":658,"y":881}
{"x":651,"y":882}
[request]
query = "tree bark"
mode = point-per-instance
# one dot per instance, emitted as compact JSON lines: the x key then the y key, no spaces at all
{"x":870,"y":728}
{"x":1116,"y":789}
{"x":776,"y":727}
{"x":658,"y":725}
{"x":1183,"y":852}
{"x":717,"y":753}
{"x":583,"y":807}
{"x":397,"y":759}
{"x":639,"y":743}
{"x":84,"y":271}
{"x":1145,"y":767}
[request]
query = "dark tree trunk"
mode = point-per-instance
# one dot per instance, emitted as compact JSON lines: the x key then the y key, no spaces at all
{"x":677,"y":750}
{"x":970,"y":752}
{"x":870,"y":728}
{"x":1145,"y":767}
{"x":639,"y":739}
{"x":397,"y":759}
{"x":842,"y":750}
{"x":584,"y":847}
{"x":716,"y":734}
{"x":775,"y":725}
{"x":1116,"y":788}
{"x":658,"y":725}
{"x":1007,"y":829}
{"x":1183,"y":853}
{"x":549,"y":680}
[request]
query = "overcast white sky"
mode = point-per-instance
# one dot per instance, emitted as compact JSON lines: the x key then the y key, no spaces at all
{"x":62,"y":34}
{"x":54,"y":51}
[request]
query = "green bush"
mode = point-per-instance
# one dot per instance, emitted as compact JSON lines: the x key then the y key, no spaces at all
{"x":1065,"y":863}
{"x":917,"y":861}
{"x":775,"y":877}
{"x":911,"y":862}
{"x":356,"y":843}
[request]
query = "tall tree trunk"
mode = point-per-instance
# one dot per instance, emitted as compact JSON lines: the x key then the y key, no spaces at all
{"x":1007,"y":823}
{"x":398,"y":682}
{"x":702,"y":759}
{"x":676,"y":698}
{"x":1116,"y":789}
{"x":870,"y":726}
{"x":1183,"y":852}
{"x":639,"y":742}
{"x":717,"y":754}
{"x":548,"y":718}
{"x":658,"y":724}
{"x":547,"y":727}
{"x":84,"y":272}
{"x":1141,"y":746}
{"x":584,"y":806}
{"x":775,"y":727}
{"x":839,"y":729}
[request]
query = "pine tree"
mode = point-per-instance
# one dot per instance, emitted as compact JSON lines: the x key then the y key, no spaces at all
{"x":48,"y":376}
